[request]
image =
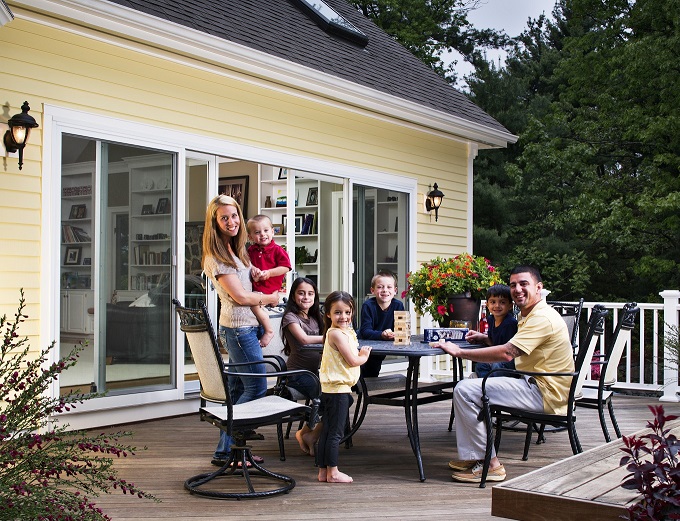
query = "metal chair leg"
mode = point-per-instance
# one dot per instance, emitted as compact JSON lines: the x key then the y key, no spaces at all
{"x":527,"y":441}
{"x":603,"y":423}
{"x":610,"y":406}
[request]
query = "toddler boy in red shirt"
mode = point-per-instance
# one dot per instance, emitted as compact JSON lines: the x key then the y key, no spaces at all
{"x":270,"y":261}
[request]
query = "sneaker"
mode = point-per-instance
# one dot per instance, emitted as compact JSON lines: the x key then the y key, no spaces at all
{"x":474,"y":475}
{"x":457,"y":464}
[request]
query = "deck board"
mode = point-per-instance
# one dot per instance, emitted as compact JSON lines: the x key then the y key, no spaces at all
{"x":588,"y":481}
{"x":386,"y":483}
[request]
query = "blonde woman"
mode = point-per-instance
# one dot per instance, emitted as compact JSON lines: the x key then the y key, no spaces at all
{"x":226,"y":263}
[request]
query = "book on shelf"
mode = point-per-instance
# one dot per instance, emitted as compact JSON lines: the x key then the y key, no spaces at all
{"x":73,"y":234}
{"x":315,"y":223}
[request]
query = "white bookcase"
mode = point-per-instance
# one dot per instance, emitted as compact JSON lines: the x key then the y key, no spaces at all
{"x":304,"y":250}
{"x":150,"y":220}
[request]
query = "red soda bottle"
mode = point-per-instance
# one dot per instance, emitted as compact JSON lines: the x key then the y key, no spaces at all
{"x":483,"y":324}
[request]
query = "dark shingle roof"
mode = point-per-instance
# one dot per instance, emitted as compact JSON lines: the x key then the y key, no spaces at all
{"x":280,"y":28}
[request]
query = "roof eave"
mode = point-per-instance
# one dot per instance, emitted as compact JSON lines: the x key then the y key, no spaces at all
{"x":151,"y":30}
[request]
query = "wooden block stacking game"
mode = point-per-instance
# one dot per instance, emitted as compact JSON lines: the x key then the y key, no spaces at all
{"x":402,"y":328}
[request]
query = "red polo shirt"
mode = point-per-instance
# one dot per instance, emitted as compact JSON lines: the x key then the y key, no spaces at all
{"x":271,"y":256}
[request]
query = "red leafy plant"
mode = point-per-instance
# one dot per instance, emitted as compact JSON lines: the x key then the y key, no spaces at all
{"x":657,"y":479}
{"x":46,"y":471}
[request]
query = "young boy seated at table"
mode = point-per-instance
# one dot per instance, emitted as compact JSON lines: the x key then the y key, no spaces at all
{"x":377,"y":317}
{"x":501,"y":329}
{"x":270,"y":263}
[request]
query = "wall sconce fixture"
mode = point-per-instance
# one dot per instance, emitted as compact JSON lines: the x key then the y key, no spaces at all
{"x":20,"y":126}
{"x":433,"y":201}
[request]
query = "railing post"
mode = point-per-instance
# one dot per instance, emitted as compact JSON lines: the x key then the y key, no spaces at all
{"x":670,"y":318}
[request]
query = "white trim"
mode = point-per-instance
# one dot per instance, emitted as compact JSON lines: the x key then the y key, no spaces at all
{"x":125,"y":131}
{"x":6,"y":15}
{"x":473,"y":149}
{"x":59,"y":120}
{"x":129,"y":414}
{"x":269,"y":69}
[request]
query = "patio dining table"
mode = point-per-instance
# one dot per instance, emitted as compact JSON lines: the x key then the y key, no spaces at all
{"x":411,"y":396}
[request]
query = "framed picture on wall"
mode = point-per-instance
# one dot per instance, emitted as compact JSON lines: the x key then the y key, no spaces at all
{"x":236,"y":187}
{"x":163,"y":205}
{"x":313,"y":196}
{"x":299,"y":220}
{"x":72,"y":256}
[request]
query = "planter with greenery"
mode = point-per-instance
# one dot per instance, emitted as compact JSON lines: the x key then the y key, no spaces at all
{"x":431,"y":286}
{"x":46,"y":471}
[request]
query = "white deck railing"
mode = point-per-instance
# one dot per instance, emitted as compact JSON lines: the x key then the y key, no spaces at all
{"x":643,"y":366}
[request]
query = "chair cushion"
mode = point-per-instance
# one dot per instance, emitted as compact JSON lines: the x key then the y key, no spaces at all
{"x":266,"y":409}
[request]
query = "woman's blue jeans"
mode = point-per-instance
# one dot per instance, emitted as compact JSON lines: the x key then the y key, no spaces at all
{"x":243,"y":346}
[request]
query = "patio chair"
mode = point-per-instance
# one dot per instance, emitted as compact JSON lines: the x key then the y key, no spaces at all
{"x":593,"y":396}
{"x":216,"y":408}
{"x":571,"y":313}
{"x":495,"y":414}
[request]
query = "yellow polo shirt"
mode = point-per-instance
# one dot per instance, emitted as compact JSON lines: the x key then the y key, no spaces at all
{"x":544,"y":339}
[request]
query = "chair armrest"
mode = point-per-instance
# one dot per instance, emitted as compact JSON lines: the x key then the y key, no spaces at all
{"x":281,"y":377}
{"x":518,"y":372}
{"x":256,"y":362}
{"x":280,"y":361}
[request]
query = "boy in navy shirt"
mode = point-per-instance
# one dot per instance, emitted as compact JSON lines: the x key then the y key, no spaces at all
{"x":377,"y":317}
{"x":501,"y":329}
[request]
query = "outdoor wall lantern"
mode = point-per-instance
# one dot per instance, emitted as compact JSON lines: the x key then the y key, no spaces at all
{"x":20,"y":126}
{"x":433,"y":201}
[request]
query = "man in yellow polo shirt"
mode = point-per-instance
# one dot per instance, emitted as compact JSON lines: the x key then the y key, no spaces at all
{"x":541,"y":344}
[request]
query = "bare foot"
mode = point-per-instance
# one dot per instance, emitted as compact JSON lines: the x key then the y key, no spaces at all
{"x":266,"y":338}
{"x":322,"y":475}
{"x":310,"y":441}
{"x":301,"y":440}
{"x":339,"y":477}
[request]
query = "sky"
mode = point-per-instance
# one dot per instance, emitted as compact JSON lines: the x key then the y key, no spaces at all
{"x":508,"y":15}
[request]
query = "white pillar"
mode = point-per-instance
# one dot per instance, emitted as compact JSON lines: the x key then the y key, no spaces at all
{"x":670,"y":318}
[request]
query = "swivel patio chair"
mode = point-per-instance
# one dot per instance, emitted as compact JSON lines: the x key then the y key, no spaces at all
{"x":596,"y":397}
{"x":241,"y":473}
{"x":495,"y":414}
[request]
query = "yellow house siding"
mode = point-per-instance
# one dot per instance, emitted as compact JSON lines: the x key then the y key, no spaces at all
{"x":94,"y":76}
{"x":47,"y":65}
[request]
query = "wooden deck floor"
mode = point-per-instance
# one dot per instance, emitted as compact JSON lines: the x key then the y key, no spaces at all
{"x":386,"y":482}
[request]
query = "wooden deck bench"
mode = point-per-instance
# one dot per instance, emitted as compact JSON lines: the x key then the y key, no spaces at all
{"x":587,"y":484}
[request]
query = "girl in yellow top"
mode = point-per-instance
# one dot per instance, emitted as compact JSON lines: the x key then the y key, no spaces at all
{"x":338,"y":373}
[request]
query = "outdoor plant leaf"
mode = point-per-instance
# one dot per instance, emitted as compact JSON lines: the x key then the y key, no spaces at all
{"x":657,"y":480}
{"x":46,"y":471}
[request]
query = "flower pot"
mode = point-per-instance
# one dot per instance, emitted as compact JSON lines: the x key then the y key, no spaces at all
{"x":461,"y":308}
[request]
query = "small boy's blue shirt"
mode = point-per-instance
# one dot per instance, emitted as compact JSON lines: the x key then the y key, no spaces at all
{"x":503,"y":333}
{"x":374,"y":320}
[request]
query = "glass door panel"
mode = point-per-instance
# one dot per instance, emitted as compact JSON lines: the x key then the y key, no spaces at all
{"x":380,"y":234}
{"x":116,"y":266}
{"x":197,"y":196}
{"x":136,"y":277}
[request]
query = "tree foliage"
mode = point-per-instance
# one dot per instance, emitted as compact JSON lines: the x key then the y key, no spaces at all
{"x":590,"y":193}
{"x":431,"y":28}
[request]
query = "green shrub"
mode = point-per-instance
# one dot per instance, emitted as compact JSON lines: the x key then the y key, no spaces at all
{"x":47,"y":472}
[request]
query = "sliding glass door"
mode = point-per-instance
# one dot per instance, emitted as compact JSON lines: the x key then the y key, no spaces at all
{"x":116,"y":264}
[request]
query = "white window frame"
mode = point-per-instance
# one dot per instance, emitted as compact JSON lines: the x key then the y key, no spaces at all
{"x":58,"y":120}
